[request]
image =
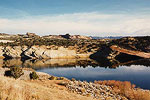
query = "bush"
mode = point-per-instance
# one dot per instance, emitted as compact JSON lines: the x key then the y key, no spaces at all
{"x":34,"y":75}
{"x":60,"y":78}
{"x":14,"y":72}
{"x":73,"y":79}
{"x":52,"y":78}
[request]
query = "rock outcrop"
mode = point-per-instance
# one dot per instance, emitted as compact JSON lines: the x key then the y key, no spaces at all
{"x":32,"y":46}
{"x":39,"y":52}
{"x":67,"y":36}
{"x":130,"y":52}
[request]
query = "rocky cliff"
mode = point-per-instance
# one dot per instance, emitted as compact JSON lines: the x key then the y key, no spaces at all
{"x":40,"y":52}
{"x":32,"y":46}
{"x":121,"y":51}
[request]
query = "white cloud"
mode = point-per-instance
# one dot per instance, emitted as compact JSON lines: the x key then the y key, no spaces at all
{"x":79,"y":23}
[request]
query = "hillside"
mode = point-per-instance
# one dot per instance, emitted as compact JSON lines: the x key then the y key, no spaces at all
{"x":47,"y":87}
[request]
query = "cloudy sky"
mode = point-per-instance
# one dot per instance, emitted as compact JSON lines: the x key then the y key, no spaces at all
{"x":84,"y":17}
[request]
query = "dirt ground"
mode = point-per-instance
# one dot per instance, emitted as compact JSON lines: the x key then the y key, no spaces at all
{"x":11,"y":89}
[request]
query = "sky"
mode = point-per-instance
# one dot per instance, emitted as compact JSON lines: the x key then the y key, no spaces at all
{"x":81,"y":17}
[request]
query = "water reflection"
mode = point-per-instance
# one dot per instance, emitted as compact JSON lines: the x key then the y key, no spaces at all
{"x":136,"y":74}
{"x":44,"y":63}
{"x":136,"y":71}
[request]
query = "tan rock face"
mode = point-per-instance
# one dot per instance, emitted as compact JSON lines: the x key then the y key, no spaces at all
{"x":1,"y":52}
{"x":130,"y":52}
{"x":13,"y":51}
{"x":53,"y":37}
{"x":79,"y":37}
{"x":40,"y":52}
{"x":67,"y":36}
{"x":31,"y":35}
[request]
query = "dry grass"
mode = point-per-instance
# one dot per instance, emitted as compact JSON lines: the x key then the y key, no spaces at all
{"x":11,"y":89}
{"x":127,"y":89}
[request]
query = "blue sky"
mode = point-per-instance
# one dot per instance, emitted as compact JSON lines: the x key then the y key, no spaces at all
{"x":85,"y":17}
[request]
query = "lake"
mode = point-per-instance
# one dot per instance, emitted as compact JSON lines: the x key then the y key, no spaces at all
{"x":137,"y":72}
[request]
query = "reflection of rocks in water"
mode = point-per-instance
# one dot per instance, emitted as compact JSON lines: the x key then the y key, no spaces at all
{"x":44,"y":63}
{"x":122,"y":57}
{"x":50,"y":63}
{"x":126,"y":62}
{"x":142,"y":62}
{"x":86,"y":63}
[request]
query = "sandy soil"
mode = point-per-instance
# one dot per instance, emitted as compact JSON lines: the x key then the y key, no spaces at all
{"x":11,"y":89}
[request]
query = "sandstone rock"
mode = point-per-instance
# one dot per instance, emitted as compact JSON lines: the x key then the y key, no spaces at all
{"x":31,"y":34}
{"x":53,"y":37}
{"x":40,"y":52}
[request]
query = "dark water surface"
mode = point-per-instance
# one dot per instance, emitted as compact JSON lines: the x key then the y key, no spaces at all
{"x":137,"y":71}
{"x":136,"y":74}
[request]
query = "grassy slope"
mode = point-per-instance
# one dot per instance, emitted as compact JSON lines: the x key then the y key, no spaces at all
{"x":11,"y":89}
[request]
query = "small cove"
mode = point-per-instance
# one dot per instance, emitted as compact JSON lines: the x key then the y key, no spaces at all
{"x":137,"y":72}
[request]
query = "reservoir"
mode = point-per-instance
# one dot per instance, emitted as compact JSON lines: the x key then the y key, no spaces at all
{"x":137,"y":72}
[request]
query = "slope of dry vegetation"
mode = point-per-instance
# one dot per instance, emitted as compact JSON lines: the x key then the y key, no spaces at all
{"x":47,"y":87}
{"x":127,"y":89}
{"x":11,"y":89}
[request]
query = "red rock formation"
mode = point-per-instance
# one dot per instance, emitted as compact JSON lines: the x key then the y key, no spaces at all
{"x":130,"y":52}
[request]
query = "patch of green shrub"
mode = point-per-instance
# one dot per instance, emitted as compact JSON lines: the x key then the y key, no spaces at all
{"x":52,"y":78}
{"x":60,"y":78}
{"x":14,"y":72}
{"x":34,"y":75}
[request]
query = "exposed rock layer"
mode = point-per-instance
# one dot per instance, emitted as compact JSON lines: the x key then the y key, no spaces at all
{"x":130,"y":52}
{"x":40,"y":52}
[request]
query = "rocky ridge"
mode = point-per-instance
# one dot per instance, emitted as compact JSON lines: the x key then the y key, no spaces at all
{"x":32,"y":46}
{"x":97,"y":91}
{"x":40,"y":52}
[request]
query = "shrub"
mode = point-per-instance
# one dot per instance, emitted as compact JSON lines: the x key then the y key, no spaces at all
{"x":126,"y":89}
{"x":73,"y":79}
{"x":52,"y":78}
{"x":34,"y":75}
{"x":15,"y":72}
{"x":60,"y":78}
{"x":63,"y":83}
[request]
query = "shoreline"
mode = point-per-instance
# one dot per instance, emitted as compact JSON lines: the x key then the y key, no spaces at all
{"x":114,"y":90}
{"x":27,"y":84}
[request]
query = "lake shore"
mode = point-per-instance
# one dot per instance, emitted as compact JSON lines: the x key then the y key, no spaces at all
{"x":48,"y":87}
{"x":31,"y":85}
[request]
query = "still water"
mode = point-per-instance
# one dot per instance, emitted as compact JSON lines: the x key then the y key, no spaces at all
{"x":137,"y":72}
